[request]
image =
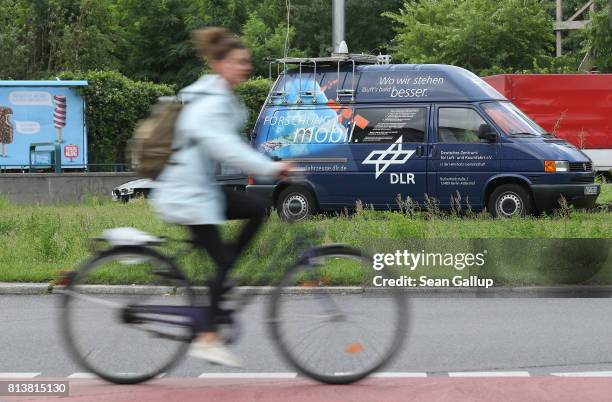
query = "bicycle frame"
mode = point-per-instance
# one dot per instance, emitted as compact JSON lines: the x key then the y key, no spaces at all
{"x":195,"y":317}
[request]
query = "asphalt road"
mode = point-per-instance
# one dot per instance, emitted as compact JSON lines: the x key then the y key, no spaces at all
{"x":447,"y":335}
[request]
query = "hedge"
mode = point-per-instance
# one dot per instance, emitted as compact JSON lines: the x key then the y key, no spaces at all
{"x":115,"y":103}
{"x":253,"y":93}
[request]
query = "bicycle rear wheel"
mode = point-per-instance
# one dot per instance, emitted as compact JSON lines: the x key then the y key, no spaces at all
{"x":334,"y":335}
{"x":106,"y":333}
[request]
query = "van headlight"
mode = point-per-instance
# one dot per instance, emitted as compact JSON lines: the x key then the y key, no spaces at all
{"x":556,"y":166}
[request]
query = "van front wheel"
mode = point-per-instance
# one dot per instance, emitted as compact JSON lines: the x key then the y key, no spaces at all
{"x":509,"y":200}
{"x":295,"y":203}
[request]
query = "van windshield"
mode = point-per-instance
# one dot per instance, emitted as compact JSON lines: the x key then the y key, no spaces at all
{"x":512,"y":120}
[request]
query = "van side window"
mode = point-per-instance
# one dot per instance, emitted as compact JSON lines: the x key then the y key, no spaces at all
{"x":458,"y":125}
{"x":387,"y":125}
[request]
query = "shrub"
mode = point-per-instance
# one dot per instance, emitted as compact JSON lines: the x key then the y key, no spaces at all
{"x":114,"y":105}
{"x":253,"y":93}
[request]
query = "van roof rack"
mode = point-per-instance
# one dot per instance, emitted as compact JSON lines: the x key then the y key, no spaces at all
{"x":357,"y":58}
{"x":335,"y":58}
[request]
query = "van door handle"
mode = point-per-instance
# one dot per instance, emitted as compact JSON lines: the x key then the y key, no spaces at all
{"x":434,"y":151}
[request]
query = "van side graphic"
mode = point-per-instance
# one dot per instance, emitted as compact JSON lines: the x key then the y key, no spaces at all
{"x":381,"y":158}
{"x":368,"y":133}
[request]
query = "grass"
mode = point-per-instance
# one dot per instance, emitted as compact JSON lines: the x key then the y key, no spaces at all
{"x":40,"y":241}
{"x":606,"y":194}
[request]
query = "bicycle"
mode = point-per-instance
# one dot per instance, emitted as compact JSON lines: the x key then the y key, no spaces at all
{"x":159,"y":329}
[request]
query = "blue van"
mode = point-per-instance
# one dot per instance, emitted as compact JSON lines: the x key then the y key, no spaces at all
{"x":432,"y":133}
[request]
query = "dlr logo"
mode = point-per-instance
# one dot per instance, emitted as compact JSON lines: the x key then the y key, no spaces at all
{"x":401,"y":178}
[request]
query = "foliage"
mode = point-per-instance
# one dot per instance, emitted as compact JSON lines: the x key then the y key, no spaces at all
{"x":545,"y":65}
{"x":14,"y":40}
{"x":265,"y":43}
{"x":253,"y":93}
{"x":114,"y":105}
{"x":599,"y":37}
{"x":366,"y":29}
{"x":46,"y":36}
{"x":149,"y":40}
{"x":154,"y":43}
{"x":474,"y":34}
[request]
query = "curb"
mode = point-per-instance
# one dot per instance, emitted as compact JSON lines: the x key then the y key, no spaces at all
{"x":18,"y":288}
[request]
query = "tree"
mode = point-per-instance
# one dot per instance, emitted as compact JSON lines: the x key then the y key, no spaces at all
{"x":46,"y":36}
{"x":155,"y":43}
{"x":366,"y":28}
{"x":265,"y":43}
{"x":474,"y":34}
{"x":14,"y":40}
{"x":87,"y":40}
{"x":598,"y":37}
{"x":312,"y":21}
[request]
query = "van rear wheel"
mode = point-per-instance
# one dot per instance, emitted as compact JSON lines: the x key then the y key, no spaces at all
{"x":295,"y":203}
{"x":509,"y":200}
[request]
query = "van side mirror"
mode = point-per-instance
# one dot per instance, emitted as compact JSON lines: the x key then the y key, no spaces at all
{"x":486,"y":133}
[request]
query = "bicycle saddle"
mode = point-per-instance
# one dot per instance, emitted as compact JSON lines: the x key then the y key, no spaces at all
{"x":129,"y":237}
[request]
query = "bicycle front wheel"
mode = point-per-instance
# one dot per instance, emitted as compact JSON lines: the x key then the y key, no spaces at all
{"x":112,"y":334}
{"x":334,"y":334}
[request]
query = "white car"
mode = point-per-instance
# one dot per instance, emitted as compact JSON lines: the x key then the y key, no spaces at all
{"x":133,"y":189}
{"x":227,"y":177}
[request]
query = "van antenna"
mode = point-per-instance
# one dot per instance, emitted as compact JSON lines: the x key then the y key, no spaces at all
{"x":288,"y":4}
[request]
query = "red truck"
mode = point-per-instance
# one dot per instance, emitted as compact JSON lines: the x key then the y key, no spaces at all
{"x":575,"y":107}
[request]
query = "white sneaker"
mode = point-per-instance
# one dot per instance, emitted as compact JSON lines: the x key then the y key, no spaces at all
{"x":214,"y":352}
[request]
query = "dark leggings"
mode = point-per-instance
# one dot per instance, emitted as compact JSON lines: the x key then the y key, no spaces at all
{"x":238,"y":205}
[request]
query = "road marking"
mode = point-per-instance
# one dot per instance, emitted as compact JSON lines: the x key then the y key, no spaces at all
{"x":19,"y":375}
{"x":82,"y":375}
{"x":489,"y":374}
{"x":585,"y":374}
{"x":248,"y":375}
{"x":92,"y":375}
{"x":457,"y":374}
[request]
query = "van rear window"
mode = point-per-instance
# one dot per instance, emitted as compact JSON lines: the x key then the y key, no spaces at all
{"x":387,"y":125}
{"x":307,"y":126}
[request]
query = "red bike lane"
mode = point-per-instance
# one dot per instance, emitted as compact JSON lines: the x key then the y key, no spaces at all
{"x":502,"y":389}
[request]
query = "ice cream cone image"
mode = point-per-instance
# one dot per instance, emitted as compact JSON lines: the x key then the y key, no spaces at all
{"x":59,"y":115}
{"x":6,"y":128}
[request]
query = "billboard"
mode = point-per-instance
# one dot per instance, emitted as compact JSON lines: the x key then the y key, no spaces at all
{"x":42,"y":112}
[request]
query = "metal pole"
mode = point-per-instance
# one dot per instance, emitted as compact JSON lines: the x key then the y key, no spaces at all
{"x":559,"y":20}
{"x":337,"y":24}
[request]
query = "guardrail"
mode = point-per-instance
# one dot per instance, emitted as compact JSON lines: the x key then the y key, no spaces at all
{"x":92,"y":167}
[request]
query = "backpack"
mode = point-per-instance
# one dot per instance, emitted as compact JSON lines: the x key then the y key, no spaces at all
{"x":151,"y":145}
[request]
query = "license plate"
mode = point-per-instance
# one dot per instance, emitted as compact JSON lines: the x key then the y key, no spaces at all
{"x":590,"y":190}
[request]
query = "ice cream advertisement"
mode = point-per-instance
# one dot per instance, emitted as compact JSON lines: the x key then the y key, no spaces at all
{"x":31,"y":115}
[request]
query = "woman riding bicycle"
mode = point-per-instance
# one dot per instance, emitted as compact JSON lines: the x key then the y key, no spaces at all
{"x":207,"y":133}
